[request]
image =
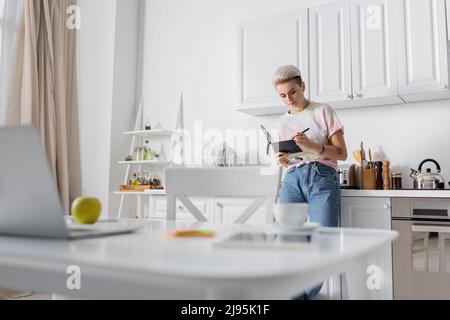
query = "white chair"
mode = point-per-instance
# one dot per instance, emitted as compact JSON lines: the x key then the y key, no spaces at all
{"x":233,"y":182}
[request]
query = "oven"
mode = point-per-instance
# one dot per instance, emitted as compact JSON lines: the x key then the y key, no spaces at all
{"x":421,"y":254}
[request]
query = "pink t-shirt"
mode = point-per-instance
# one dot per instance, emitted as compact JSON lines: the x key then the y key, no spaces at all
{"x":322,"y":122}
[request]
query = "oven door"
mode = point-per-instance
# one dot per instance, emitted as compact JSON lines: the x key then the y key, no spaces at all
{"x":421,"y":259}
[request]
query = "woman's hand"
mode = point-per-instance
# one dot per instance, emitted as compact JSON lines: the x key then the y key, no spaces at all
{"x":283,"y":158}
{"x":303,"y":141}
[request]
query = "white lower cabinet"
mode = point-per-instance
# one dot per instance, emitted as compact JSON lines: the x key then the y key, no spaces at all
{"x":220,"y":210}
{"x":371,"y":279}
{"x":227,"y":210}
{"x":158,"y":208}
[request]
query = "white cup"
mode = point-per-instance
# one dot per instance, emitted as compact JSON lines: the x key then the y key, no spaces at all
{"x":291,"y":214}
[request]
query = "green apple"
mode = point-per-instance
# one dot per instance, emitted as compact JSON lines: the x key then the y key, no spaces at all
{"x":86,"y":210}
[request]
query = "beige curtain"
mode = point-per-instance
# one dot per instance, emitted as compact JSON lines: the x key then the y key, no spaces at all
{"x":44,"y":89}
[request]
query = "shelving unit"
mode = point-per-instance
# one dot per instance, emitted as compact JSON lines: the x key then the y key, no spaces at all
{"x":141,"y":135}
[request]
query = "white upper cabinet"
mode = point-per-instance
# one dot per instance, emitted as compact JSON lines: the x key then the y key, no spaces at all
{"x":422,"y":49}
{"x":265,"y":45}
{"x":353,"y":53}
{"x":374,"y":65}
{"x":330,"y":52}
{"x":353,"y":57}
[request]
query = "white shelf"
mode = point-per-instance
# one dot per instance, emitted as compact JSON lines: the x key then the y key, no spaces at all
{"x":155,"y":162}
{"x":155,"y":132}
{"x":146,"y":193}
{"x":132,"y":193}
{"x":156,"y":192}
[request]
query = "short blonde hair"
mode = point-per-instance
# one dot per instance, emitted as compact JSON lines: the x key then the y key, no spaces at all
{"x":287,"y":73}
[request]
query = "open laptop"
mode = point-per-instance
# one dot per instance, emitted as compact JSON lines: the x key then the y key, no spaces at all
{"x":29,"y":200}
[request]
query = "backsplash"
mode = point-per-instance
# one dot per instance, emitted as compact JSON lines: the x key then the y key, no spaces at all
{"x":404,"y":134}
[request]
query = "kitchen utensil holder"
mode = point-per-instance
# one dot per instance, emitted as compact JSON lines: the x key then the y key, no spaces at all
{"x":368,"y":179}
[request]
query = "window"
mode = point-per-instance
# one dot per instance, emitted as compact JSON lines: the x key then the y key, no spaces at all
{"x":10,"y":15}
{"x":2,"y":4}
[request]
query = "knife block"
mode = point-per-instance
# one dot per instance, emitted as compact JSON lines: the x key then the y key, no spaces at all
{"x":368,"y":179}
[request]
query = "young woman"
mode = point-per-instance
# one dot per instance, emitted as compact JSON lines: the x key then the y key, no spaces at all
{"x":313,"y":178}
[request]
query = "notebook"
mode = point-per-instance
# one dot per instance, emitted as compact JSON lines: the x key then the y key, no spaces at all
{"x":286,"y":146}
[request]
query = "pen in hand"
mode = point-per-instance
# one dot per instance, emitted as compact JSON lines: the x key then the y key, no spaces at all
{"x":306,"y":130}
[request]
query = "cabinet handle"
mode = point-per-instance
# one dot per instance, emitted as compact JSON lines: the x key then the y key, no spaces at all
{"x":386,"y":206}
{"x":348,"y":96}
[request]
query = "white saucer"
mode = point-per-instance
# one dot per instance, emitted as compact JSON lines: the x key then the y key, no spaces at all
{"x":307,"y":226}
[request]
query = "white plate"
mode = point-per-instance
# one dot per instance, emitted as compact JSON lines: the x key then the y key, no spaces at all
{"x":307,"y":226}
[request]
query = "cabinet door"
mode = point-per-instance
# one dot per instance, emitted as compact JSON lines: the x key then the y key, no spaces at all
{"x":374,"y":60}
{"x":422,"y":47}
{"x":158,"y":208}
{"x":266,"y":44}
{"x":227,"y":210}
{"x":372,"y":278}
{"x":330,"y":52}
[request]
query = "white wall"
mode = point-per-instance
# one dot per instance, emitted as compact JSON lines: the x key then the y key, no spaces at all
{"x":192,"y":46}
{"x":95,"y":87}
{"x":125,"y":96}
{"x":108,"y":77}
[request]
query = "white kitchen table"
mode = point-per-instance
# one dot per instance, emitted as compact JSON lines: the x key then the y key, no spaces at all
{"x":149,"y":265}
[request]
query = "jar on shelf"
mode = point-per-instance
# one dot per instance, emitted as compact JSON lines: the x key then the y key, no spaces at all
{"x":155,"y":181}
{"x":139,"y":154}
{"x":147,"y":152}
{"x":146,"y":178}
{"x":396,"y":181}
{"x":135,"y":180}
{"x":162,"y":155}
{"x":147,"y":125}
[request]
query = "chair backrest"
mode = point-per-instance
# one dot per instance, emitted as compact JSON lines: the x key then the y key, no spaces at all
{"x":219,"y":182}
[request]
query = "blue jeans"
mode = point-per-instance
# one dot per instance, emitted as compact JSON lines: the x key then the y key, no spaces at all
{"x":318,"y":185}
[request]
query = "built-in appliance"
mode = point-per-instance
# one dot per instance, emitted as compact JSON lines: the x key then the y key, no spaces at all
{"x":421,"y":254}
{"x":347,"y":176}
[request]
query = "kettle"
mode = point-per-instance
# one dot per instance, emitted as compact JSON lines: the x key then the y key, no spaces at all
{"x":427,"y":179}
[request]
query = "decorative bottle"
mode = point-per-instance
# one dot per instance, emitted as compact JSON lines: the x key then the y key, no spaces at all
{"x":162,"y":154}
{"x":147,"y":151}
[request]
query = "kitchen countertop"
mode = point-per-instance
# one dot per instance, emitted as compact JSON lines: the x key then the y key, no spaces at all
{"x":406,"y":193}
